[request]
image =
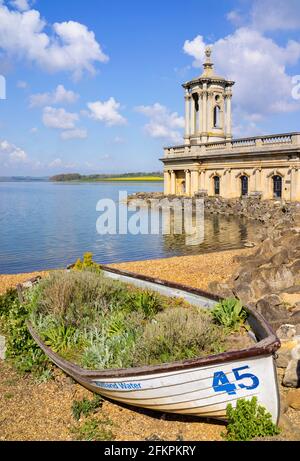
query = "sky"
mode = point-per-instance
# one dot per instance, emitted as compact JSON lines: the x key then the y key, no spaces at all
{"x":95,"y":86}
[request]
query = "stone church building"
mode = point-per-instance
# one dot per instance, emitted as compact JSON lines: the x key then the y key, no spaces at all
{"x":212,"y":163}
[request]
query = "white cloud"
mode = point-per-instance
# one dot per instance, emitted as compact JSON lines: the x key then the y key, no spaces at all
{"x":34,"y":130}
{"x":59,"y":118}
{"x":106,"y":112}
{"x":258,"y":66}
{"x":58,"y":96}
{"x":70,"y":47}
{"x":21,"y":84}
{"x":21,"y":5}
{"x":74,"y":134}
{"x":58,"y":163}
{"x":11,"y":154}
{"x":268,"y":15}
{"x":163,"y":123}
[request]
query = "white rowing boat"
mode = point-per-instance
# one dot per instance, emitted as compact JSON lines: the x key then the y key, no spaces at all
{"x":200,"y":387}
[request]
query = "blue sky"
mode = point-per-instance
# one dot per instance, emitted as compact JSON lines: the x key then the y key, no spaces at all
{"x":95,"y":86}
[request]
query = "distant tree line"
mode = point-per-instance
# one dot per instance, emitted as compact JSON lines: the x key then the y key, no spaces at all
{"x":93,"y":177}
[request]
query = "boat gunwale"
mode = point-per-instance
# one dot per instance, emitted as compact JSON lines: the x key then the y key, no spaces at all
{"x":265,"y":347}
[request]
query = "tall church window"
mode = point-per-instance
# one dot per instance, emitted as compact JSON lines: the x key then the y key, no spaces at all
{"x":217,"y":117}
{"x":217,"y":185}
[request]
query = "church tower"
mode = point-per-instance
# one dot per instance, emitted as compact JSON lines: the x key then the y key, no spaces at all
{"x":207,"y":106}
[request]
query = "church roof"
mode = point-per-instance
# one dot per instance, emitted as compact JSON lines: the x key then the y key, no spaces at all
{"x":208,"y":75}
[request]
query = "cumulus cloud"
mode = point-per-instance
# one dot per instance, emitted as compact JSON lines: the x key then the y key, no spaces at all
{"x":59,"y":118}
{"x":268,"y":15}
{"x":163,"y":124}
{"x":58,"y":96}
{"x":257,"y":64}
{"x":74,"y":134}
{"x":70,"y":47}
{"x":11,"y":154}
{"x":21,"y":5}
{"x":106,"y":112}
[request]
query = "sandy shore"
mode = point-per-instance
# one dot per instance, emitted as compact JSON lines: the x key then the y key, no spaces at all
{"x":196,"y":271}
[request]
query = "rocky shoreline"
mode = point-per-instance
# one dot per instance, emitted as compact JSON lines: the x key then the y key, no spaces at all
{"x":269,"y":278}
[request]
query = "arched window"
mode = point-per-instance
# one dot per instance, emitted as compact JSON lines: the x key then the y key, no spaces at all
{"x":277,"y":186}
{"x":244,"y":185}
{"x":217,"y":185}
{"x":217,"y":117}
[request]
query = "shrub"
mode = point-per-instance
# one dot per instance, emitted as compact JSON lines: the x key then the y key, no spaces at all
{"x":7,"y":300}
{"x":86,"y":407}
{"x":87,"y":264}
{"x":230,"y":314}
{"x":93,"y":430}
{"x":147,"y":302}
{"x":22,"y":350}
{"x":249,"y":420}
{"x":75,"y":296}
{"x":177,"y":334}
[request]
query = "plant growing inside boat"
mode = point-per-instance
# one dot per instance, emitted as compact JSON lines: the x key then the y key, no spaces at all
{"x":230,"y":314}
{"x":100,"y":323}
{"x":87,"y":264}
{"x":249,"y":420}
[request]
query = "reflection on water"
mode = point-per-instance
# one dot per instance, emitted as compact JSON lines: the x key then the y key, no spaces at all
{"x":47,"y":225}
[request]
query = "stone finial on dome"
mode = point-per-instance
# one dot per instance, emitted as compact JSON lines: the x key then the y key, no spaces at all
{"x":208,"y":52}
{"x":208,"y":65}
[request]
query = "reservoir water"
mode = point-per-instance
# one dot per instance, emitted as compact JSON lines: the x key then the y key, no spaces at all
{"x":46,"y":225}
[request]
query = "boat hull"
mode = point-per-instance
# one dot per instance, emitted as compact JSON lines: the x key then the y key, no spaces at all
{"x":201,"y":387}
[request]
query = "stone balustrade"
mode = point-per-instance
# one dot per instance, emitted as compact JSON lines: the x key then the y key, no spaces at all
{"x":258,"y":142}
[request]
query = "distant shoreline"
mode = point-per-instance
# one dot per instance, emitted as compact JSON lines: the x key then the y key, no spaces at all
{"x":87,"y":180}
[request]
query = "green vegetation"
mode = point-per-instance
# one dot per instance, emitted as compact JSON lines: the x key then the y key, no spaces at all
{"x":22,"y":350}
{"x":248,"y":421}
{"x":230,"y":314}
{"x":153,"y":176}
{"x":100,"y":323}
{"x":86,"y":407}
{"x":87,"y":264}
{"x":93,"y":430}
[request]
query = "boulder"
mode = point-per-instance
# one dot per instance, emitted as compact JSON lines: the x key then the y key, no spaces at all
{"x":221,"y":289}
{"x":278,"y":278}
{"x":271,"y":312}
{"x":282,"y":257}
{"x":290,"y":298}
{"x":293,"y":399}
{"x":284,"y":354}
{"x":286,"y":332}
{"x":244,"y":292}
{"x":292,"y":374}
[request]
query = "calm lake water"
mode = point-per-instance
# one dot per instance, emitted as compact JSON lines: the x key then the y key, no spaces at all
{"x":49,"y":225}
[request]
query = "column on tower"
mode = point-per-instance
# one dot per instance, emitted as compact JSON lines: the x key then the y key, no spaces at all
{"x":200,"y":112}
{"x":204,"y":112}
{"x":187,"y":116}
{"x":210,"y":107}
{"x":228,"y":115}
{"x":193,"y":116}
